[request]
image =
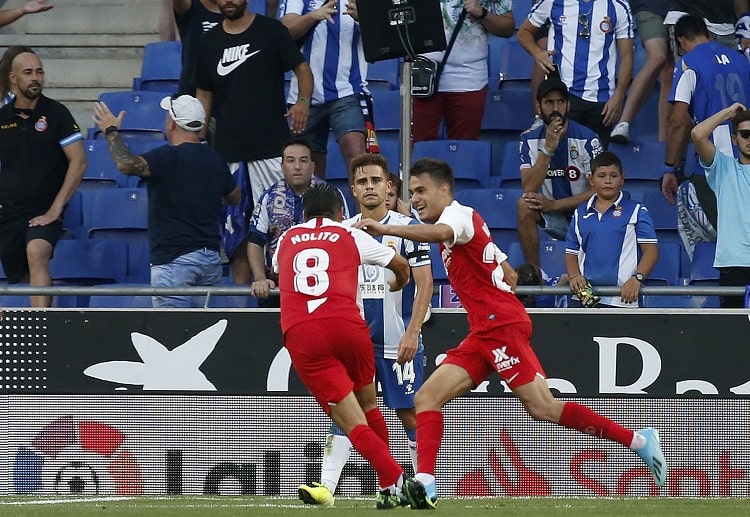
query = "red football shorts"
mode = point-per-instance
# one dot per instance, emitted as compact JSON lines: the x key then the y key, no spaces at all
{"x":331,"y":357}
{"x":505,"y":350}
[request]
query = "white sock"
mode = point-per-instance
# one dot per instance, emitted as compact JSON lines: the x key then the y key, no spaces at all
{"x":638,"y":441}
{"x":425,"y":479}
{"x":335,"y":455}
{"x":413,"y":454}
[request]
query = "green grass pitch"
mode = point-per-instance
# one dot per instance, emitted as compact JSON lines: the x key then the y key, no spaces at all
{"x":206,"y":506}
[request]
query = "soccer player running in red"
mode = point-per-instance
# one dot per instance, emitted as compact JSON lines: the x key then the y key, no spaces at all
{"x":499,"y":337}
{"x":324,"y":329}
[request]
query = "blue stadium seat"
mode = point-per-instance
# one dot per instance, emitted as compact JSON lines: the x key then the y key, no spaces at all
{"x":101,"y":171}
{"x":439,"y":275}
{"x":383,"y":75}
{"x":521,"y":10}
{"x":144,"y":118}
{"x":703,"y":270}
{"x":469,"y":159}
{"x":509,"y":107}
{"x":510,"y":168}
{"x":386,"y":107}
{"x":73,"y":216}
{"x":89,"y":262}
{"x":160,"y":67}
{"x":662,"y":212}
{"x":552,"y":257}
{"x":391,"y":149}
{"x":259,"y":6}
{"x":515,"y":255}
{"x":115,"y":209}
{"x":641,"y":163}
{"x":514,"y":64}
{"x":335,"y":165}
{"x":119,"y":302}
{"x":498,"y":208}
{"x":122,"y":215}
{"x":667,"y":269}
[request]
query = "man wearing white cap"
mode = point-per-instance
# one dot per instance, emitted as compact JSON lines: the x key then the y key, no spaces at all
{"x":187,"y":182}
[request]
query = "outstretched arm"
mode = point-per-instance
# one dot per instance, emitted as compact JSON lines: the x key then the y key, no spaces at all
{"x":414,"y":232}
{"x":8,"y":16}
{"x":127,"y":162}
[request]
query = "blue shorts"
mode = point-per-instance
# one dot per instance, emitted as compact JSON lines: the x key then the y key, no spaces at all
{"x":400,"y":382}
{"x":342,"y":115}
{"x":199,"y":267}
{"x":556,"y":224}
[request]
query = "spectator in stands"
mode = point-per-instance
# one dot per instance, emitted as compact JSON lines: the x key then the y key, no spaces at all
{"x":6,"y":95}
{"x":187,"y":181}
{"x":586,"y":40}
{"x":240,"y":81}
{"x":742,"y":24}
{"x":720,"y":17}
{"x":707,"y":78}
{"x":603,"y":249}
{"x":395,"y":321}
{"x":43,"y":161}
{"x":529,"y":274}
{"x":556,"y":158}
{"x":328,"y":33}
{"x":649,"y":16}
{"x":279,"y":208}
{"x":729,"y":178}
{"x":8,"y":16}
{"x":393,"y":198}
{"x":462,"y":88}
{"x":167,"y":25}
{"x":193,"y":18}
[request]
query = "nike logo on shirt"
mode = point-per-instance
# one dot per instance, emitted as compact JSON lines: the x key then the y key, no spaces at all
{"x":234,"y":57}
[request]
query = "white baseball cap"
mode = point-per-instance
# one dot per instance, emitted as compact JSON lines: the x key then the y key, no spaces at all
{"x":186,"y":111}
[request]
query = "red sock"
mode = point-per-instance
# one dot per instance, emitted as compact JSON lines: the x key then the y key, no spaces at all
{"x":579,"y":417}
{"x":377,"y":422}
{"x":429,"y":436}
{"x":376,"y":452}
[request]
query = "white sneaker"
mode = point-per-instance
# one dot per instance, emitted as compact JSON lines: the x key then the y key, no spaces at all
{"x":620,"y":133}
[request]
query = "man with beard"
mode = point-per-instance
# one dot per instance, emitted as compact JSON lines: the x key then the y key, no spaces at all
{"x":43,"y":161}
{"x":556,"y":158}
{"x":240,"y":81}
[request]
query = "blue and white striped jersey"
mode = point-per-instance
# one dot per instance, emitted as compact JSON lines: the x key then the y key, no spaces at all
{"x":566,"y":175}
{"x":583,"y":35}
{"x":334,"y":52}
{"x":388,"y":314}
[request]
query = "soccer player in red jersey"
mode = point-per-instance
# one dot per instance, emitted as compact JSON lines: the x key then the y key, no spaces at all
{"x":325,"y":332}
{"x":499,"y":337}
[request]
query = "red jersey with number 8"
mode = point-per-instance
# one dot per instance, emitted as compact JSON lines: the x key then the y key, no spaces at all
{"x":317,"y":263}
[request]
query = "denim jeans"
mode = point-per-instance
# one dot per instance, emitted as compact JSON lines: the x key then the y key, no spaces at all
{"x":199,"y":267}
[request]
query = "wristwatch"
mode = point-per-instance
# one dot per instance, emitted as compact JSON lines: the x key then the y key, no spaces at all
{"x":639,"y":277}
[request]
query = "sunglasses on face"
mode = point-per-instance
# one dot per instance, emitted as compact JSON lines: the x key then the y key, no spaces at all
{"x":744,"y":133}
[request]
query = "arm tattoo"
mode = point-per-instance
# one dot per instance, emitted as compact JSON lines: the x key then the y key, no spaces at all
{"x":126,"y":161}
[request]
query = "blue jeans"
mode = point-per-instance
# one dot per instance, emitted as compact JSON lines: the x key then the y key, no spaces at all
{"x":199,"y":267}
